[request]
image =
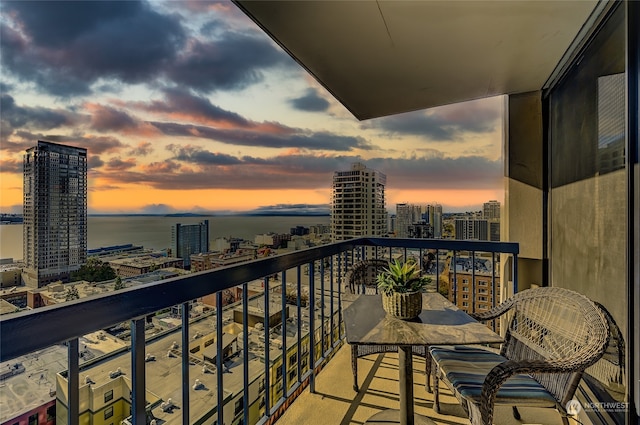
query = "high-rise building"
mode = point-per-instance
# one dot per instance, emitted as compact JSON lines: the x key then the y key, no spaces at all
{"x":491,"y":210}
{"x":358,"y":204}
{"x":187,"y":239}
{"x":404,"y":219}
{"x":472,"y":229}
{"x":433,"y":216}
{"x":55,"y":212}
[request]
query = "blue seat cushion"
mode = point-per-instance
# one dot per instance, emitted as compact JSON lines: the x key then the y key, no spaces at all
{"x":466,"y":368}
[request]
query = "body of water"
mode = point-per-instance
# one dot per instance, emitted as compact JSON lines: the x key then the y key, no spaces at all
{"x":155,"y":232}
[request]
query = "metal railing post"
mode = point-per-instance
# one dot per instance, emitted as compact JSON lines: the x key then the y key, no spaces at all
{"x":312,"y":328}
{"x":138,"y":390}
{"x":185,"y":363}
{"x":73,"y":382}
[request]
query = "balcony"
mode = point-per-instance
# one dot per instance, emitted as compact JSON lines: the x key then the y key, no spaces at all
{"x":339,"y":404}
{"x":144,"y":374}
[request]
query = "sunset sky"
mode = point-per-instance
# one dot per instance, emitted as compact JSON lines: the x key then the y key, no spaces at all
{"x":188,"y":106}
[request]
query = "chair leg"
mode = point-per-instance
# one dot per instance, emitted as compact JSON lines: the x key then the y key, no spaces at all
{"x":427,"y":370}
{"x":436,"y":392}
{"x":354,"y":367}
{"x":516,"y":414}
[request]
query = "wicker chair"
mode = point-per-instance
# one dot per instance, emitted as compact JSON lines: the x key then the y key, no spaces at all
{"x":361,"y":279}
{"x":554,"y":334}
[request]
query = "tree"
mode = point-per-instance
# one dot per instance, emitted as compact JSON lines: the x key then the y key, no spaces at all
{"x":119,"y":284}
{"x":94,"y":271}
{"x":72,"y":294}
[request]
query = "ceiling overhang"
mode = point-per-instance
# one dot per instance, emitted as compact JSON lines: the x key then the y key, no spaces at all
{"x":388,"y":57}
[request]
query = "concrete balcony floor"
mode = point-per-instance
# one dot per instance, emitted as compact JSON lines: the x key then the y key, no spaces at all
{"x":335,"y":402}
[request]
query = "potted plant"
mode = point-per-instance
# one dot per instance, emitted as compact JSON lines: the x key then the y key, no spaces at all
{"x":401,"y":286}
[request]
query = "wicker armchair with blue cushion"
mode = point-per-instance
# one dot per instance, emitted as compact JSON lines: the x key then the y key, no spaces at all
{"x":361,"y":279}
{"x":553,"y":335}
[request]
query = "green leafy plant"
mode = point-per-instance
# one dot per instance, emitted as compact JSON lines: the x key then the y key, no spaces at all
{"x":401,"y":277}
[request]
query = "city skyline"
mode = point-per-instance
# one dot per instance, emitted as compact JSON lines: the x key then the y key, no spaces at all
{"x":192,"y":108}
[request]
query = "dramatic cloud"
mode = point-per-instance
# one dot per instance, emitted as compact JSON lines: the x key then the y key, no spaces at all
{"x":13,"y":147}
{"x":14,"y":116}
{"x":65,"y":47}
{"x":93,"y":162}
{"x":314,"y":141}
{"x":291,"y":209}
{"x":233,"y":62}
{"x":143,"y":149}
{"x":446,"y":123}
{"x":10,"y":165}
{"x":311,"y":102}
{"x":213,"y":171}
{"x":182,"y":104}
{"x":106,"y":119}
{"x":200,"y":156}
{"x":117,"y":164}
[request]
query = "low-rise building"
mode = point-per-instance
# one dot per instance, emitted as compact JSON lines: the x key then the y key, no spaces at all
{"x":474,"y":285}
{"x":126,"y":267}
{"x":215,"y":259}
{"x":11,"y":274}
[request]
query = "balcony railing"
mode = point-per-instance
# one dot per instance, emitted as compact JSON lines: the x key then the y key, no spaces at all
{"x":278,"y":358}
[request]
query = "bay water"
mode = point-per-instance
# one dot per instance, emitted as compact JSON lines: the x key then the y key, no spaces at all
{"x":155,"y":231}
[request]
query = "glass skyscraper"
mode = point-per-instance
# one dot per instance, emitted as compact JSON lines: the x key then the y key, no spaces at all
{"x":187,"y":239}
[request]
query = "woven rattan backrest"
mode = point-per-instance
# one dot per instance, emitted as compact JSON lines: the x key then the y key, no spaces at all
{"x":361,"y":278}
{"x":560,"y":325}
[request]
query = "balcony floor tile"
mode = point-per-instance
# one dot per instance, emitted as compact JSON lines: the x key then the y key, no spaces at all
{"x":335,"y":402}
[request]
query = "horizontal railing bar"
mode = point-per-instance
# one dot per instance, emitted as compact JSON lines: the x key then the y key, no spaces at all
{"x":444,"y":244}
{"x":29,"y":331}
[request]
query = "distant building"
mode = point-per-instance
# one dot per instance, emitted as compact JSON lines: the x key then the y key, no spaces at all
{"x":420,"y":230}
{"x":494,"y":231}
{"x":187,"y":239}
{"x":434,"y":218}
{"x":406,"y":215}
{"x":10,"y":275}
{"x":127,"y":267}
{"x":391,"y":224}
{"x":299,"y":231}
{"x":212,"y":260}
{"x":491,"y":210}
{"x":319,"y":229}
{"x":54,"y":211}
{"x":472,"y":229}
{"x":358,"y":204}
{"x":474,"y":285}
{"x":273,"y":240}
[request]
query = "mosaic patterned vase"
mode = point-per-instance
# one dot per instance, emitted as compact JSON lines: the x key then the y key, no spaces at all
{"x":404,"y":306}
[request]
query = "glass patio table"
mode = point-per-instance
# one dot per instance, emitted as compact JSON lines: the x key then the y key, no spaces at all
{"x":440,"y":323}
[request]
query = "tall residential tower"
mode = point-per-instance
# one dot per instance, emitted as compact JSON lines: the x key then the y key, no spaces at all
{"x":358,"y":204}
{"x":187,"y":239}
{"x":55,"y":212}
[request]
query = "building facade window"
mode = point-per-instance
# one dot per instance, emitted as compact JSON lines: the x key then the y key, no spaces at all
{"x":51,"y":413}
{"x":108,"y":412}
{"x":108,"y":396}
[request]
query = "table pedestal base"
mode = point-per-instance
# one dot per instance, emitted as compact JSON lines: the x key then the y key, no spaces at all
{"x":392,"y":416}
